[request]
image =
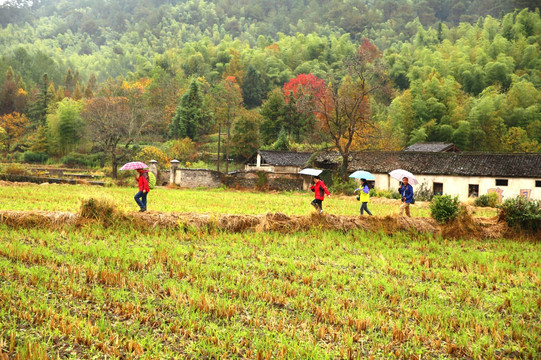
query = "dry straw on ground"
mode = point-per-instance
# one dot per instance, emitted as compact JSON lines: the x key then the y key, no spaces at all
{"x":104,"y":212}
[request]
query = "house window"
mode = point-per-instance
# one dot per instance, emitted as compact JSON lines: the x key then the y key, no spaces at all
{"x":537,"y":183}
{"x":371,"y":183}
{"x":473,"y":190}
{"x":438,"y":188}
{"x":502,"y":182}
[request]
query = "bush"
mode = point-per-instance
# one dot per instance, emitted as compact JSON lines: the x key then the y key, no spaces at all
{"x":14,"y":169}
{"x":148,"y":153}
{"x":424,"y":193}
{"x":182,"y":150}
{"x":35,"y":157}
{"x":389,"y":194}
{"x":487,"y":200}
{"x":76,"y":159}
{"x":444,"y":208}
{"x":341,"y":187}
{"x":522,"y":213}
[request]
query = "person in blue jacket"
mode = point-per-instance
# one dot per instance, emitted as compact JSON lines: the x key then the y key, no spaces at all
{"x":364,"y":196}
{"x":406,"y":193}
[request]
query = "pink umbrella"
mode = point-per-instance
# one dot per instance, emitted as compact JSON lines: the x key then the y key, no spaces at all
{"x":134,"y":165}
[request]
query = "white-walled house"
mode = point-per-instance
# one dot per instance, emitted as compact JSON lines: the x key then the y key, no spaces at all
{"x":458,"y":174}
{"x":286,"y":162}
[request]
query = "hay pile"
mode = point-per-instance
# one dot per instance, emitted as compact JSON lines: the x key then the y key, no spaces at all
{"x":11,"y":183}
{"x":42,"y":219}
{"x":105,"y":213}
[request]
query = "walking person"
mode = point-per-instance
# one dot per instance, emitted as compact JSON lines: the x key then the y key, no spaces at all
{"x":319,"y":190}
{"x":364,"y":196}
{"x":406,"y":193}
{"x":141,"y":196}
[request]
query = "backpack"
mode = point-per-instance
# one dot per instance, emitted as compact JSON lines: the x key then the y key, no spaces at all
{"x":151,"y":180}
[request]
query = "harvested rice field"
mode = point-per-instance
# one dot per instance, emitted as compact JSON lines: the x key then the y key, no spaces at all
{"x":101,"y":282}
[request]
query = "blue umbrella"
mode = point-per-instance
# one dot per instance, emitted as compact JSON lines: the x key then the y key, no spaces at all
{"x":361,"y":174}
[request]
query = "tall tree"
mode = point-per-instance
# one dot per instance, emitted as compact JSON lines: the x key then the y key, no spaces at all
{"x":246,"y":137}
{"x":252,"y":88}
{"x":69,"y":127}
{"x":227,"y":100}
{"x":110,"y":123}
{"x":191,"y":117}
{"x":40,"y":106}
{"x":14,"y":125}
{"x":345,"y":108}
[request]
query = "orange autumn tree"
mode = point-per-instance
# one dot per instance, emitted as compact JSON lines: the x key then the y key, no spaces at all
{"x":14,"y":125}
{"x":345,"y":108}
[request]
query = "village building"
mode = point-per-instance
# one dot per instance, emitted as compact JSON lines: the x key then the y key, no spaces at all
{"x":285,"y":162}
{"x":452,"y":173}
{"x":432,"y":147}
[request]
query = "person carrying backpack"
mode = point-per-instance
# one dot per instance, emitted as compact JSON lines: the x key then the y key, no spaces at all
{"x":364,"y":196}
{"x":141,"y":196}
{"x":319,"y":190}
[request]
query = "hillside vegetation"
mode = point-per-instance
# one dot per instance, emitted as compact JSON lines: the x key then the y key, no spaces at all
{"x":174,"y":73}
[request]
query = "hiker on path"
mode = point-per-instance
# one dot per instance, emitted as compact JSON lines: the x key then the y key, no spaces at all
{"x":141,"y":196}
{"x":406,"y":193}
{"x":364,"y":196}
{"x":319,"y":190}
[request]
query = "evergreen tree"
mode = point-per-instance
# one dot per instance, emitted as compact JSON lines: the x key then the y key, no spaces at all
{"x":252,"y":88}
{"x":273,"y":111}
{"x":38,"y":110}
{"x":8,"y":93}
{"x":190,"y":115}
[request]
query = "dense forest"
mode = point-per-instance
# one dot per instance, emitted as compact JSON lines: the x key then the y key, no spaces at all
{"x":97,"y":81}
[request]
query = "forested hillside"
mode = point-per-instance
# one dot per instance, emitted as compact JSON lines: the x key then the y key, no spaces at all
{"x":351,"y":75}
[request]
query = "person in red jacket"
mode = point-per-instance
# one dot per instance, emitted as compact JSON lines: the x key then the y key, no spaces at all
{"x":141,"y":196}
{"x":319,"y":190}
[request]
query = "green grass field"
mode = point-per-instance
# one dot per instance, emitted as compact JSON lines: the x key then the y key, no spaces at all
{"x":218,"y":201}
{"x":98,"y":293}
{"x":116,"y":293}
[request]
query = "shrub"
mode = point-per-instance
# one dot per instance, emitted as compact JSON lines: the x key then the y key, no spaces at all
{"x":389,"y":194}
{"x":148,"y":153}
{"x":262,"y":180}
{"x":182,"y":150}
{"x":424,"y":193}
{"x":487,"y":200}
{"x":343,"y":187}
{"x":15,"y":169}
{"x":35,"y":157}
{"x":444,"y":208}
{"x":522,"y":213}
{"x":76,"y":159}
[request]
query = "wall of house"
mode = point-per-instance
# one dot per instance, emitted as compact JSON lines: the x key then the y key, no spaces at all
{"x":266,"y":168}
{"x":264,"y":180}
{"x":193,"y":178}
{"x":459,"y":185}
{"x":273,"y":168}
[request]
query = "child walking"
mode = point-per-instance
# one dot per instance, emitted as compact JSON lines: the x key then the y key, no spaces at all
{"x":364,"y":196}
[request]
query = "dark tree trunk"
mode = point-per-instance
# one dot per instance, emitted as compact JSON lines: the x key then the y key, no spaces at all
{"x":344,"y":167}
{"x":219,"y":143}
{"x":227,"y":148}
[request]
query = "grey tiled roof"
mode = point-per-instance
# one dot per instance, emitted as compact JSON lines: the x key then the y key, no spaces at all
{"x":282,"y":158}
{"x":431,"y":147}
{"x":440,"y":163}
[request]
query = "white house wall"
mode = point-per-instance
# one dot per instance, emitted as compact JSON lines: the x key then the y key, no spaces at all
{"x":459,"y":185}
